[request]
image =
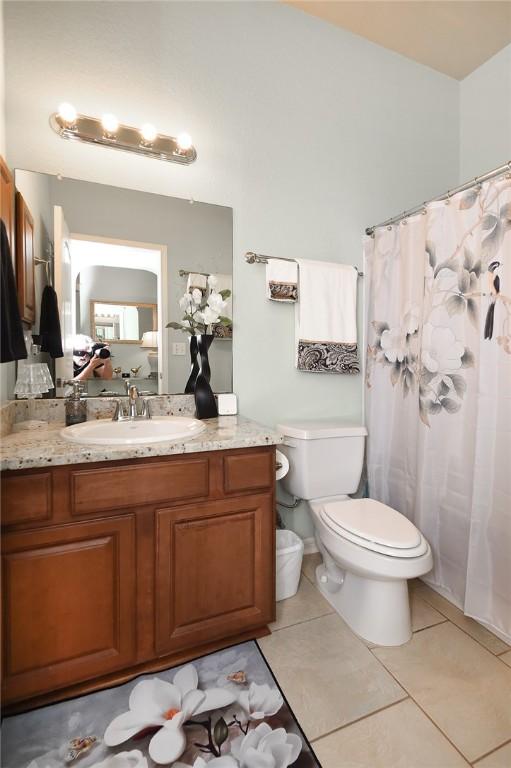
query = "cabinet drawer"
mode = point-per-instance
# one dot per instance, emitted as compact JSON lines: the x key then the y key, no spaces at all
{"x":249,"y":471}
{"x":26,"y":498}
{"x":95,"y":490}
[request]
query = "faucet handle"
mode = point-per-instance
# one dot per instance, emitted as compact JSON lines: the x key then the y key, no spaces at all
{"x":119,"y":413}
{"x":146,"y":409}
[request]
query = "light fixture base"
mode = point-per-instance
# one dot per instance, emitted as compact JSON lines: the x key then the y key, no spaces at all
{"x":127,"y":138}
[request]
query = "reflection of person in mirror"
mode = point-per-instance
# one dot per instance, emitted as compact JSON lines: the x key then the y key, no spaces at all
{"x":91,"y":359}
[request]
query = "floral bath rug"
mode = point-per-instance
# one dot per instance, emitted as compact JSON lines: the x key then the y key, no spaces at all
{"x":224,"y":710}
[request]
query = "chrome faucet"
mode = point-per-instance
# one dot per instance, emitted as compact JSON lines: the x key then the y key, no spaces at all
{"x":133,"y":410}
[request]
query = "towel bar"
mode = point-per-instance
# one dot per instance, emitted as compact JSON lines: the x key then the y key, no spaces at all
{"x":259,"y":258}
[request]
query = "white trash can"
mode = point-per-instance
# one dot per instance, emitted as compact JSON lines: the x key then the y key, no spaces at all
{"x":289,"y":563}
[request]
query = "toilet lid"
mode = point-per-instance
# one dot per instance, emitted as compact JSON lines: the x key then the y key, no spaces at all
{"x":373,"y":522}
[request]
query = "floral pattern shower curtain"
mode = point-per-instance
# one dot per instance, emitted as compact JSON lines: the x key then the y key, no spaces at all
{"x":439,"y":389}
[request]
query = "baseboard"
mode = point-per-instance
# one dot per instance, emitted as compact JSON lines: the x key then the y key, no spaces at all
{"x":310,"y":546}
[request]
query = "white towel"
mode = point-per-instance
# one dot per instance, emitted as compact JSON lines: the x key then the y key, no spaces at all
{"x":282,"y":280}
{"x":326,"y":318}
{"x":196,"y":280}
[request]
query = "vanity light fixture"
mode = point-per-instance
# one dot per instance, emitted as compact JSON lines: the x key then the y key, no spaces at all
{"x":108,"y":132}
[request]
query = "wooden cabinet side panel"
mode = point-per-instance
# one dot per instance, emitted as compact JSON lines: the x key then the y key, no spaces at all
{"x":7,"y":201}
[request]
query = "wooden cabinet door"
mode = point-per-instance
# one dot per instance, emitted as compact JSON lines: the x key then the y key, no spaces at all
{"x":25,"y":264}
{"x":68,"y":604}
{"x":215,"y":570}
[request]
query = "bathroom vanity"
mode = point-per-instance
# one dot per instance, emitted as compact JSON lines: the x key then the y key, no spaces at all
{"x":121,"y":561}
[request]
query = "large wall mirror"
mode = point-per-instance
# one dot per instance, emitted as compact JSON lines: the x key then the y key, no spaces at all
{"x":120,"y":262}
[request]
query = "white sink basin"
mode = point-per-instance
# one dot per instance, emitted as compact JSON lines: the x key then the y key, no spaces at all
{"x":107,"y":432}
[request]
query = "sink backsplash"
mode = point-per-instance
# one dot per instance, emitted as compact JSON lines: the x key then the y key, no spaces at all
{"x":52,"y":410}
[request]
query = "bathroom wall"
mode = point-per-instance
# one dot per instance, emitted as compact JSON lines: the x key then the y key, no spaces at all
{"x":485,"y":116}
{"x":309,"y":132}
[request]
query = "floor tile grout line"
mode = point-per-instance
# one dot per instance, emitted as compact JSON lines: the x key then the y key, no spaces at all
{"x":487,"y":754}
{"x":304,"y":621}
{"x":423,"y":597}
{"x":360,"y":719}
{"x":436,"y":624}
{"x":420,"y":707}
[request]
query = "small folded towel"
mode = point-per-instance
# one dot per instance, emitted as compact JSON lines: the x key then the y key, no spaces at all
{"x":326,"y":318}
{"x":196,"y":280}
{"x":282,"y":280}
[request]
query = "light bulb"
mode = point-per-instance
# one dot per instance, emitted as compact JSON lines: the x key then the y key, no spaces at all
{"x":184,"y":141}
{"x":110,"y":123}
{"x":67,"y":113}
{"x":148,"y":133}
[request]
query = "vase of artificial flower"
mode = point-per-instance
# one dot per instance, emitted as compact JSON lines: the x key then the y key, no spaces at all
{"x":194,"y":366}
{"x":202,"y":310}
{"x":205,"y":402}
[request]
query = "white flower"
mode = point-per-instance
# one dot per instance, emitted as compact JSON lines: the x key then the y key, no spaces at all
{"x":212,"y":281}
{"x":225,"y":761}
{"x":209,"y":316}
{"x":441,"y":352}
{"x":197,"y":296}
{"x":156,"y":702}
{"x":411,"y":318}
{"x":393,"y":343}
{"x":132,"y":759}
{"x":216,"y":302}
{"x":185,"y":302}
{"x":260,"y":701}
{"x":263,"y":747}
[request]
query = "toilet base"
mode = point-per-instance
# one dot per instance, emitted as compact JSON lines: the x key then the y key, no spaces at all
{"x":376,"y":610}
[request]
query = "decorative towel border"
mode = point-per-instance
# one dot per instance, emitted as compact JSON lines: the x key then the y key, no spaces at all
{"x":327,"y":357}
{"x":283,"y":291}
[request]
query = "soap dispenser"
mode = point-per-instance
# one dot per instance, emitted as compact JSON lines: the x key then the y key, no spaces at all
{"x":76,"y":404}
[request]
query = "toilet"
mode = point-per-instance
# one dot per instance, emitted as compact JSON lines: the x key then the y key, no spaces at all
{"x":369,"y":550}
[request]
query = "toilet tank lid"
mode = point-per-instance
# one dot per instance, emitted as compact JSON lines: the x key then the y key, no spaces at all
{"x":316,"y":429}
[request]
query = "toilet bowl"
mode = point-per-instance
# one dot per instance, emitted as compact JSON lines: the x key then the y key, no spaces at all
{"x":369,"y":550}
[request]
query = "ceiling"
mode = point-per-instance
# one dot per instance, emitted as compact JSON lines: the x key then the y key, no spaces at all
{"x":452,"y":36}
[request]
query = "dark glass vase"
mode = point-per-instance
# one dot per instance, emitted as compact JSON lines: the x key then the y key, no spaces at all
{"x":205,"y":402}
{"x":194,"y":366}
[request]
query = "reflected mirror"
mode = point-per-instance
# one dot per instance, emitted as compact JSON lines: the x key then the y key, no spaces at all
{"x":121,"y":261}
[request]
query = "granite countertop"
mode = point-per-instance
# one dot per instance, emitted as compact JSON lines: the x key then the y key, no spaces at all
{"x":44,"y":447}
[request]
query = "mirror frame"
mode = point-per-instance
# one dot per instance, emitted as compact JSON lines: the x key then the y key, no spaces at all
{"x":92,"y":302}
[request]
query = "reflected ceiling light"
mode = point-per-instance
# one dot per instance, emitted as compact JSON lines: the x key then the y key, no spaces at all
{"x":108,"y":132}
{"x":110,"y":123}
{"x":148,"y":133}
{"x":67,"y":113}
{"x":184,"y":141}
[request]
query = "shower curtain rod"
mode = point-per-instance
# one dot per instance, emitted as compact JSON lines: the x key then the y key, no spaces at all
{"x":445,"y":196}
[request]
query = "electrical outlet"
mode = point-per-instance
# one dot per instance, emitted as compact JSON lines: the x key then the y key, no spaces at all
{"x":178,"y":348}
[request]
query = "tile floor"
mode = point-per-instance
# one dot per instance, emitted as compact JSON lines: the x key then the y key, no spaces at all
{"x":443,"y":700}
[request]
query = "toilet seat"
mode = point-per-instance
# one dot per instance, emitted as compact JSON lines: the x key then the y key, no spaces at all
{"x":373,"y":526}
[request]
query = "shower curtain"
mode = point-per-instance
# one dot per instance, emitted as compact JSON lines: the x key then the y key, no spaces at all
{"x":438,"y":380}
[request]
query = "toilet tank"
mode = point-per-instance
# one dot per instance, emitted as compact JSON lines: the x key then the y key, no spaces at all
{"x":325,"y":457}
